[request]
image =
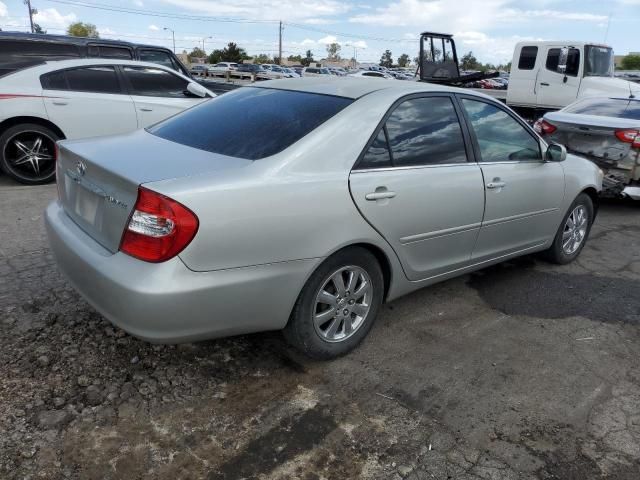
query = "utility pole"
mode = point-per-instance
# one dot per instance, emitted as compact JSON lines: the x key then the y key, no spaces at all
{"x":173,"y":34}
{"x":205,"y":38}
{"x":280,"y":43}
{"x":28,"y":4}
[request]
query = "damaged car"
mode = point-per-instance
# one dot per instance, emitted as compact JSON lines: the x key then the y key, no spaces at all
{"x":605,"y":131}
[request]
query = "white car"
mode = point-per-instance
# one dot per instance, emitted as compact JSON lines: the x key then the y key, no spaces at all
{"x":76,"y":99}
{"x":223,"y":67}
{"x":315,"y":72}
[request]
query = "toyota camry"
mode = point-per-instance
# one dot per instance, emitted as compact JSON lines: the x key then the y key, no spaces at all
{"x":304,"y":204}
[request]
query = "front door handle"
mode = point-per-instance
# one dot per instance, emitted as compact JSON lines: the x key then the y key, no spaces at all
{"x":381,"y":195}
{"x":544,"y":84}
{"x":146,"y":109}
{"x":496,"y":184}
{"x":59,"y":102}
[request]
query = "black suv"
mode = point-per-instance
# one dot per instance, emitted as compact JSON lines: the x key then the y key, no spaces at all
{"x":20,"y":50}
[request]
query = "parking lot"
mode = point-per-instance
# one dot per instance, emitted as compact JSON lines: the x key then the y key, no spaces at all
{"x":524,"y":370}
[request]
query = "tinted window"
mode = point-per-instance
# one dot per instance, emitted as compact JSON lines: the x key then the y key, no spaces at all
{"x":528,"y":58}
{"x":159,"y":57}
{"x":500,"y":136}
{"x":377,"y":155}
{"x":99,"y":79}
{"x":425,"y":131}
{"x":24,"y":48}
{"x":54,"y":81}
{"x":573,"y":61}
{"x":372,"y":74}
{"x":153,"y":82}
{"x":607,"y":107}
{"x":251,"y":122}
{"x":115,"y":52}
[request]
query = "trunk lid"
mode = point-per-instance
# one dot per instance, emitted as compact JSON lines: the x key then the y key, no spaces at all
{"x":98,"y":178}
{"x":592,"y":135}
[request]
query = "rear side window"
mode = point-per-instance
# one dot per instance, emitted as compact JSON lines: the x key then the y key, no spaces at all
{"x":154,"y":82}
{"x":54,"y":81}
{"x":25,"y":48}
{"x":607,"y":107}
{"x":251,"y":122}
{"x":573,"y":61}
{"x":425,"y":131}
{"x":115,"y":52}
{"x":377,"y":155}
{"x":527,"y":59}
{"x":98,"y":79}
{"x":500,"y":137}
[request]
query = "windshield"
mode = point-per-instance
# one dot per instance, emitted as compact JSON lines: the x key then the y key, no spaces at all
{"x":599,"y":61}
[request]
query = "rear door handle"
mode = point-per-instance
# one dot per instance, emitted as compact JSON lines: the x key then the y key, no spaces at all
{"x":496,"y":184}
{"x":544,"y":84}
{"x":145,"y":109}
{"x":379,"y":195}
{"x":59,"y":102}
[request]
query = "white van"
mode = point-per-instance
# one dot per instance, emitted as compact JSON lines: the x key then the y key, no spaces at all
{"x":551,"y":75}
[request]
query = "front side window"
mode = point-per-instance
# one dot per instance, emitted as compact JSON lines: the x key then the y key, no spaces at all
{"x":500,"y":137}
{"x":425,"y":131}
{"x":159,"y":57}
{"x":154,"y":82}
{"x":528,"y":57}
{"x":251,"y":122}
{"x":98,"y":79}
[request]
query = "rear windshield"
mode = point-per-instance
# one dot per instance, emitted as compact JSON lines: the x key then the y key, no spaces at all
{"x":250,"y":122}
{"x":607,"y":107}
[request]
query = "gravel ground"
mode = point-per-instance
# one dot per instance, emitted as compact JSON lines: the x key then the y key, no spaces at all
{"x":521,"y":371}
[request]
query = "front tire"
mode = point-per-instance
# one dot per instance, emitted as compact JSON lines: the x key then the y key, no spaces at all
{"x":27,"y":153}
{"x":573,"y":232}
{"x":338,"y":305}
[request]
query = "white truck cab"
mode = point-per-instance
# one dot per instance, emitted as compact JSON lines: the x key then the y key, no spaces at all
{"x":550,"y":75}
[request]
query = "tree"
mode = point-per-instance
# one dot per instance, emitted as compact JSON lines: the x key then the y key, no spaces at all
{"x":333,"y":51}
{"x":233,"y":53}
{"x":79,"y":29}
{"x":295,"y":58}
{"x":308,"y":59}
{"x":262,"y":58}
{"x":386,"y":60}
{"x":197,"y":52}
{"x":469,"y":62}
{"x":404,"y":60}
{"x":215,"y":57}
{"x":630,"y":62}
{"x":38,"y":29}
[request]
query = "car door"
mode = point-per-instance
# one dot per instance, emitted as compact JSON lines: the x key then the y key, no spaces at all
{"x":523,"y":192}
{"x":555,"y":88}
{"x":157,"y":93}
{"x":418,"y":186}
{"x":88,"y":101}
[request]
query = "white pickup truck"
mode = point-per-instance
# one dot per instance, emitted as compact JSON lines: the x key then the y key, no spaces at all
{"x":550,"y":75}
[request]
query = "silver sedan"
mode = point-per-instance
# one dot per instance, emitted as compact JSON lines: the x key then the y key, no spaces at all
{"x":305,"y":204}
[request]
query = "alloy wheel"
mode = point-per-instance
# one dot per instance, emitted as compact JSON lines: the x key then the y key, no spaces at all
{"x":30,"y":155}
{"x":342,"y":303}
{"x":575,"y":230}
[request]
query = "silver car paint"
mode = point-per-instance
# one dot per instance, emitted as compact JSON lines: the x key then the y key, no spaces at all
{"x":277,"y":218}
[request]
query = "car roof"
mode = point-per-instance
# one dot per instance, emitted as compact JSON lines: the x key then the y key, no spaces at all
{"x":46,"y":37}
{"x":356,"y":87}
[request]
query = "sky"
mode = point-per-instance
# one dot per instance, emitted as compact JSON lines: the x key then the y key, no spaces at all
{"x":489,"y":28}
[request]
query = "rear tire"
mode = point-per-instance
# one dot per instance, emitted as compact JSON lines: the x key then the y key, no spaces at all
{"x":27,"y":153}
{"x":338,"y":305}
{"x":573,"y":231}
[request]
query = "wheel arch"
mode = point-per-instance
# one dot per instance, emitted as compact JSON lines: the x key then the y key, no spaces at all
{"x":13,"y":121}
{"x":595,"y":199}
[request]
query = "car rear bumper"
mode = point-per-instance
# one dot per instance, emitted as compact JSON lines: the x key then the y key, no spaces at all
{"x":167,"y":302}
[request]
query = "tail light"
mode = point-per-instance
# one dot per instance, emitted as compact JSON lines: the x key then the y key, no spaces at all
{"x":544,"y":128}
{"x":159,"y":228}
{"x":629,"y":136}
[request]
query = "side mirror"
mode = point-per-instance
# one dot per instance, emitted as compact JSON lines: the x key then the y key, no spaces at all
{"x":196,"y":90}
{"x":556,"y":153}
{"x":562,"y":60}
